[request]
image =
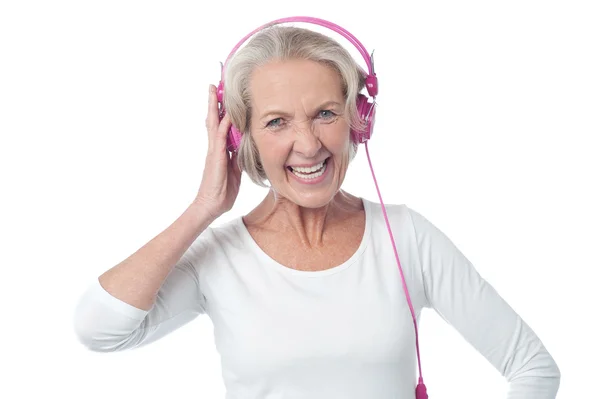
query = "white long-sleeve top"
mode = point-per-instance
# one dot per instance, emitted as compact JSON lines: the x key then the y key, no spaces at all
{"x":345,"y":332}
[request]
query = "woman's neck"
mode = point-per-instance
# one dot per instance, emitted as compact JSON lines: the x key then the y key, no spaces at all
{"x":307,"y":226}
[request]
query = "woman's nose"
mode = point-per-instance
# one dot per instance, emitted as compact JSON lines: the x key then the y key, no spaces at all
{"x":307,"y":141}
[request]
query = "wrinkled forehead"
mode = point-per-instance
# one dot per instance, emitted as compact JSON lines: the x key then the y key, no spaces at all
{"x":287,"y":83}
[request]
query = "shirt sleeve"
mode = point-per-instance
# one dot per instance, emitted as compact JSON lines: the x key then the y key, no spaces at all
{"x":457,"y":292}
{"x":104,"y":323}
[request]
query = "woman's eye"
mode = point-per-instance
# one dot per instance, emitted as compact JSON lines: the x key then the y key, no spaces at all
{"x":326,"y":114}
{"x":274,"y":123}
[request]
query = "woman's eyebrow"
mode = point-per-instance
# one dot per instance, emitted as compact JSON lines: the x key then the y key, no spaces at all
{"x":277,"y":112}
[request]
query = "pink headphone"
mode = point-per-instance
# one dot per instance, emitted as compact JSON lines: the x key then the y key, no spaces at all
{"x":366,"y":110}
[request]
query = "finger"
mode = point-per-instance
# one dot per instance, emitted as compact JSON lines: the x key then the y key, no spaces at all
{"x":234,"y":164}
{"x":212,"y":116}
{"x":234,"y":170}
{"x":220,"y":138}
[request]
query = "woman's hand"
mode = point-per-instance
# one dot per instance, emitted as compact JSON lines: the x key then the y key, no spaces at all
{"x":221,"y":177}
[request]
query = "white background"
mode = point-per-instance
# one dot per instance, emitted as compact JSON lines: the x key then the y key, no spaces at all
{"x":487,"y":124}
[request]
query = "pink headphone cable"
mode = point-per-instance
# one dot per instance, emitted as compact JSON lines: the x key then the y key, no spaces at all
{"x":421,"y":389}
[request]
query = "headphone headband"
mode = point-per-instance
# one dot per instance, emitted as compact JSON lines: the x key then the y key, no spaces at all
{"x":365,"y":107}
{"x":371,"y":79}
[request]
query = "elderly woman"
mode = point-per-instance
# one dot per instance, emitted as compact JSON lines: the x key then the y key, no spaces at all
{"x":304,"y":291}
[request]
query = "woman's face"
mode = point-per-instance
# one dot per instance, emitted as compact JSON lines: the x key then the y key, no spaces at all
{"x":300,"y":131}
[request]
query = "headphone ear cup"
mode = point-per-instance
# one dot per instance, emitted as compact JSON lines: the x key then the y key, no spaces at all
{"x":234,"y":138}
{"x":366,"y":112}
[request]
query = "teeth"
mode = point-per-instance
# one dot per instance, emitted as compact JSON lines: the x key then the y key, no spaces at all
{"x":309,"y":170}
{"x":310,"y":176}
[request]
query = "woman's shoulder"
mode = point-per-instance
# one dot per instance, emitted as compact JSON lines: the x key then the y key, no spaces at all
{"x":400,"y":215}
{"x":218,"y":244}
{"x":392,"y":209}
{"x":222,"y":231}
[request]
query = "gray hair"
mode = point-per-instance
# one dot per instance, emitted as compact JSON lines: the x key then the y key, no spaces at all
{"x":284,"y":43}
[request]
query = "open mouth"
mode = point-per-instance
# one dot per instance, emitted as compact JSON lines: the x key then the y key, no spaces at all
{"x":310,"y":173}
